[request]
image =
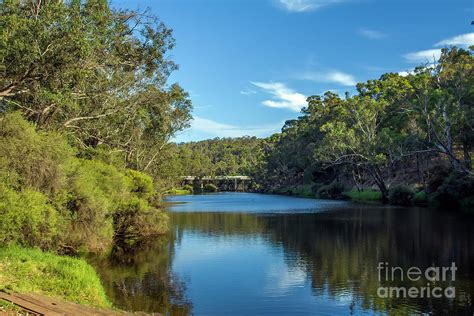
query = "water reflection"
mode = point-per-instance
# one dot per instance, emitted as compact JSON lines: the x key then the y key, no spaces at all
{"x":277,"y":262}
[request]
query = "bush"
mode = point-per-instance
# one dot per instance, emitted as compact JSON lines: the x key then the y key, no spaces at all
{"x":210,"y":188}
{"x":420,"y":198}
{"x":46,"y":191}
{"x":142,"y":184}
{"x":333,"y":190}
{"x":301,"y":190}
{"x":96,"y":190}
{"x":135,"y":221}
{"x":315,"y":187}
{"x":401,"y":195}
{"x":29,"y":158}
{"x":28,"y":219}
{"x":189,"y":188}
{"x":456,"y":190}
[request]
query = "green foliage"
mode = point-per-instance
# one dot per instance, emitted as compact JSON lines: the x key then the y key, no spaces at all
{"x":134,"y":221}
{"x":53,"y":200}
{"x":364,"y":196}
{"x":391,"y":124}
{"x":420,"y":198}
{"x":333,"y":190}
{"x":29,"y":158}
{"x":303,"y":191}
{"x":33,"y":271}
{"x":95,"y":191}
{"x":401,"y":195}
{"x":456,"y":190}
{"x":188,"y":187}
{"x":142,"y":184}
{"x":51,"y":56}
{"x":220,"y":157}
{"x":210,"y":188}
{"x":28,"y":219}
{"x":178,"y":192}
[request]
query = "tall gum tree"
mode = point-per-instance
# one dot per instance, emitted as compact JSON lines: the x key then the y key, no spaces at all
{"x":96,"y":73}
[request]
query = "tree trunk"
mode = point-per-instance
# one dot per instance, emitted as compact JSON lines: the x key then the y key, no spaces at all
{"x":467,"y":156}
{"x":377,"y":175}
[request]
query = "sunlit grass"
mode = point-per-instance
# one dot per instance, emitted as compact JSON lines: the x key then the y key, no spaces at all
{"x":177,"y":192}
{"x":33,"y":271}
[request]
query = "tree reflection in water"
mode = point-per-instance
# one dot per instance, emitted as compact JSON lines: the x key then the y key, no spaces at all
{"x":338,"y":250}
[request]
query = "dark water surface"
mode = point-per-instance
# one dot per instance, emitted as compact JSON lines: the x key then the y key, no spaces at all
{"x":252,"y":254}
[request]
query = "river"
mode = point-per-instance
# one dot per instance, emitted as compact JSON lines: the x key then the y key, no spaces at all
{"x":253,"y":254}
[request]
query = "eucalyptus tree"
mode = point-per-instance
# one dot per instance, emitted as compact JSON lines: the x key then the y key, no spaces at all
{"x":97,"y":73}
{"x":444,"y":104}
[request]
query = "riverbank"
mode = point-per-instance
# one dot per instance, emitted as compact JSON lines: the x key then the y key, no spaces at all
{"x":34,"y":271}
{"x":451,"y":195}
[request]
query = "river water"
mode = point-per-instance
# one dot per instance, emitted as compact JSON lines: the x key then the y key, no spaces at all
{"x":253,"y":254}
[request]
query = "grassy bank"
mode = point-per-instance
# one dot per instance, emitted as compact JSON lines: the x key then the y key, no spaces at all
{"x":364,"y":196}
{"x":33,"y":271}
{"x":177,"y":192}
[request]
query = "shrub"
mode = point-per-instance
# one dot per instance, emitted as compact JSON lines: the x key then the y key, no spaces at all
{"x":142,"y":184}
{"x":96,"y":190}
{"x":333,"y":190}
{"x":30,"y":158}
{"x":210,"y":188}
{"x":401,"y":195}
{"x":28,"y":219}
{"x":315,"y":187}
{"x":45,"y":191}
{"x":188,"y":188}
{"x":456,"y":190}
{"x":420,"y":198}
{"x":135,"y":221}
{"x":435,"y":178}
{"x":301,"y":190}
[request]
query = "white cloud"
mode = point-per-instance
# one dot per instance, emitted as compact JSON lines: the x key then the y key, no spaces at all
{"x":305,"y":5}
{"x":405,"y":73}
{"x":248,"y":92}
{"x":430,"y":55}
{"x":214,"y":128}
{"x":284,"y":98}
{"x":371,"y":34}
{"x":334,"y":76}
{"x":459,"y":40}
{"x":423,"y":56}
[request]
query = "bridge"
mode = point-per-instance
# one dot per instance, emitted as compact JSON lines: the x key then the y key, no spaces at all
{"x":224,"y":183}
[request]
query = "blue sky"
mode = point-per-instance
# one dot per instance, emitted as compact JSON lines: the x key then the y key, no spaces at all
{"x":250,"y":64}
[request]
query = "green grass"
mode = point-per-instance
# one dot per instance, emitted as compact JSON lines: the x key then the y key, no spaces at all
{"x":177,"y":192}
{"x":33,"y":271}
{"x":364,"y":196}
{"x":420,"y":198}
{"x":9,"y":308}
